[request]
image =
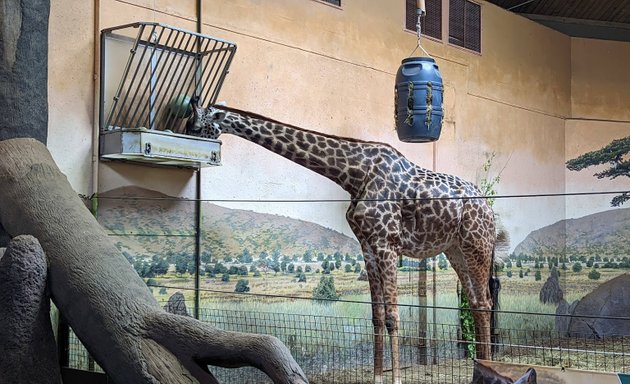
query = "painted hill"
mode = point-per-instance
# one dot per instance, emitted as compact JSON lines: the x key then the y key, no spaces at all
{"x":146,"y":222}
{"x":603,"y":233}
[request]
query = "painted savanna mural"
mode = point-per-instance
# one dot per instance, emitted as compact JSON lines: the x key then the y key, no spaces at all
{"x":252,"y":250}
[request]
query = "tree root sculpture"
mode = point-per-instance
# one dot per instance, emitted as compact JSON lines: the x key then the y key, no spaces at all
{"x":105,"y":302}
{"x":26,"y":337}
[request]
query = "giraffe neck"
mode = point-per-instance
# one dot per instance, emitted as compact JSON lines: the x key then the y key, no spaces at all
{"x":343,"y":161}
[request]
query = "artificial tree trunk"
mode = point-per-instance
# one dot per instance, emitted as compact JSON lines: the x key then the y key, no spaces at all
{"x":24,"y":69}
{"x":105,"y":302}
{"x":26,"y":337}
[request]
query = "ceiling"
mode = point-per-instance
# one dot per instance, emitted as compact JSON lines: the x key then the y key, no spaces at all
{"x":598,"y":19}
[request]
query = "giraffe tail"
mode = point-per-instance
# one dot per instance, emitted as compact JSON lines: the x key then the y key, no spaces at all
{"x":495,"y":287}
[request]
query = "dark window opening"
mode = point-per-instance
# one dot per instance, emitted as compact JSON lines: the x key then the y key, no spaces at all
{"x":333,"y":2}
{"x":464,"y":24}
{"x":431,"y":22}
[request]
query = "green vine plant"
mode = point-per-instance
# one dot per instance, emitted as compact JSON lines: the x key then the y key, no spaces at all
{"x":488,"y":186}
{"x":467,"y":323}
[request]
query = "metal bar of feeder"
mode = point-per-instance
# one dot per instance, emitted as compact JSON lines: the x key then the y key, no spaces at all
{"x":200,"y":65}
{"x":205,"y":60}
{"x":180,"y":68}
{"x":230,"y":47}
{"x":192,"y":84}
{"x":222,"y":65}
{"x":218,"y":75}
{"x":170,"y":59}
{"x":205,"y":67}
{"x":128,"y":104}
{"x":156,"y":24}
{"x":180,"y":87}
{"x":122,"y":81}
{"x":217,"y":65}
{"x":173,"y":50}
{"x":158,"y":78}
{"x":140,"y":106}
{"x":184,"y":86}
{"x":189,"y":37}
{"x":133,"y":80}
{"x":222,"y":76}
{"x":154,"y":80}
{"x":214,"y":70}
{"x":101,"y":90}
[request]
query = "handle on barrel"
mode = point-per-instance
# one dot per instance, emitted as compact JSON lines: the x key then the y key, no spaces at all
{"x":420,"y":7}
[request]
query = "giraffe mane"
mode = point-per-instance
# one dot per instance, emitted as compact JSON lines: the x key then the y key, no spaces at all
{"x":265,"y":118}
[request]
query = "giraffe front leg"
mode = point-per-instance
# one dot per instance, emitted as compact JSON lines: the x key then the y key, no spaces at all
{"x":378,"y":318}
{"x":388,"y":271}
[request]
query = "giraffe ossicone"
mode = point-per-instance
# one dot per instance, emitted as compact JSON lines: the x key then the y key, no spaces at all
{"x":396,"y":208}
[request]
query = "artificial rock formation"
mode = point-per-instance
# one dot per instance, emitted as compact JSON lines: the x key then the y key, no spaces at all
{"x":29,"y":353}
{"x":105,"y":302}
{"x":607,"y":307}
{"x":563,"y":318}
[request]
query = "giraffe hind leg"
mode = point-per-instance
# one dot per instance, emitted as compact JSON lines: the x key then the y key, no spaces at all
{"x":473,"y":270}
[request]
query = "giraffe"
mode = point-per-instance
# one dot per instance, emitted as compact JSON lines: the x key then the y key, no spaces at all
{"x":396,"y":208}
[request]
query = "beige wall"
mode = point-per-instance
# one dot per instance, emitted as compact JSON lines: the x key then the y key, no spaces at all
{"x":71,"y":88}
{"x":600,"y":90}
{"x":600,"y":80}
{"x":332,"y":70}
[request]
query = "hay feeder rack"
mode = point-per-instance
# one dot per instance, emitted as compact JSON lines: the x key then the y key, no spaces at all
{"x":149,"y":71}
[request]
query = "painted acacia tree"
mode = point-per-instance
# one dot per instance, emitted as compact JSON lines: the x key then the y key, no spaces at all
{"x":616,"y":155}
{"x":95,"y":288}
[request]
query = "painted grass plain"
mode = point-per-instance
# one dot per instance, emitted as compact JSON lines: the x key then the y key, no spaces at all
{"x":281,"y":294}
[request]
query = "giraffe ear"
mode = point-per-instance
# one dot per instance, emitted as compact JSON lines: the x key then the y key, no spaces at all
{"x":218,"y":116}
{"x":194,"y":101}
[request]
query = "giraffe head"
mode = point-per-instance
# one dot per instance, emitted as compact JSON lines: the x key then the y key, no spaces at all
{"x":205,"y":122}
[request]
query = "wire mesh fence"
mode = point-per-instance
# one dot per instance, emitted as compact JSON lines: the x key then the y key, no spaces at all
{"x":333,"y":343}
{"x":336,"y":349}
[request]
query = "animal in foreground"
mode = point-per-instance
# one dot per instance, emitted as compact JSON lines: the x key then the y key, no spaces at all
{"x":483,"y":374}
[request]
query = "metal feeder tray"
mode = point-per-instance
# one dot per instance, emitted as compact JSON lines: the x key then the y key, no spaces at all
{"x":159,"y":148}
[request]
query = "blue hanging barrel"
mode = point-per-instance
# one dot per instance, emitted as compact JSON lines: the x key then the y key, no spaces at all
{"x":418,"y":100}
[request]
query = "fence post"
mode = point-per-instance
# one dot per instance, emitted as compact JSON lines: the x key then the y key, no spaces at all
{"x":422,"y":316}
{"x":63,"y":341}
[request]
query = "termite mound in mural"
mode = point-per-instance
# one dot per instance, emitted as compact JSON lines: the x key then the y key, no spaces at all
{"x":105,"y":302}
{"x":551,"y":292}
